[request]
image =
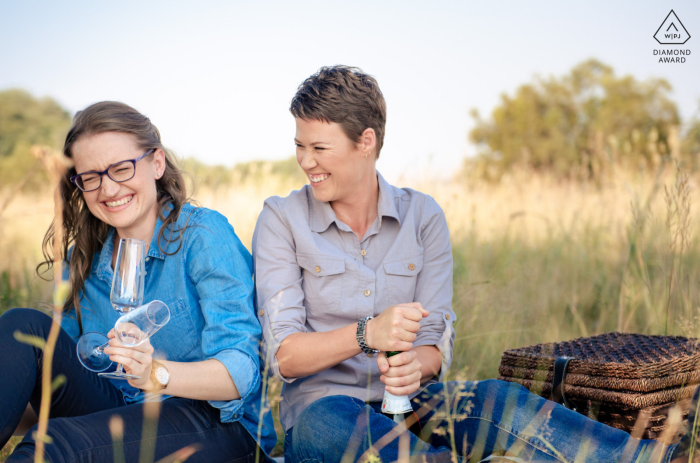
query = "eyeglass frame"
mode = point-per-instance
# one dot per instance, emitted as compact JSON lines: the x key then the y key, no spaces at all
{"x":75,"y":177}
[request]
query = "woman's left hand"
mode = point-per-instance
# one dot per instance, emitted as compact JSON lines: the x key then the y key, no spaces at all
{"x":401,"y":373}
{"x":137,"y":360}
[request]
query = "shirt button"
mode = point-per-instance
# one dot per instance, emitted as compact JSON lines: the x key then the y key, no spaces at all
{"x":318,"y":269}
{"x":261,"y":313}
{"x":368,"y":292}
{"x":147,"y":259}
{"x":411,"y":266}
{"x":364,"y":252}
{"x":447,"y":316}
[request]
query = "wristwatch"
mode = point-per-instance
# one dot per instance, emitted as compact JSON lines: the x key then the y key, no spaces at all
{"x":361,"y":327}
{"x":160,"y":376}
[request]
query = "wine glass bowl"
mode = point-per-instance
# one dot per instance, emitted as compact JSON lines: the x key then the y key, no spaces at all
{"x":136,"y":326}
{"x":129,"y":275}
{"x":129,"y":334}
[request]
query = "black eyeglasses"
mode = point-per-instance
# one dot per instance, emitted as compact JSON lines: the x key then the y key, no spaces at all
{"x":119,"y":172}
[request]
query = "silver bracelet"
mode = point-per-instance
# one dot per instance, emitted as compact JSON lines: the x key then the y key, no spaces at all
{"x":361,"y":327}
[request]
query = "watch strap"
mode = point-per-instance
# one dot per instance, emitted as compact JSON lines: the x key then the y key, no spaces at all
{"x":154,"y":377}
{"x":361,"y":328}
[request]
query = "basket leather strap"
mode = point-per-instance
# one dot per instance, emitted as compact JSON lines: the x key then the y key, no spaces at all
{"x":558,"y":395}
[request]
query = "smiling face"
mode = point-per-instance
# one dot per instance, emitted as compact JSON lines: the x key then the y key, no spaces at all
{"x":131,"y":206}
{"x":335,"y":165}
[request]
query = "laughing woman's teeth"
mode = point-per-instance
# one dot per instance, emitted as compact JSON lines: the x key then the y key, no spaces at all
{"x":319,"y":178}
{"x":118,"y":203}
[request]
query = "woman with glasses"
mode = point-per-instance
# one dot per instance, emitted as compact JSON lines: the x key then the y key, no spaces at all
{"x":350,"y":267}
{"x":204,"y":362}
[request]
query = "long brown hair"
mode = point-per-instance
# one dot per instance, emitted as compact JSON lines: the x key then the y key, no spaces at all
{"x":85,"y":232}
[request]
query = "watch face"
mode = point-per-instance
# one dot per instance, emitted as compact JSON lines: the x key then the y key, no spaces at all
{"x":163,"y":376}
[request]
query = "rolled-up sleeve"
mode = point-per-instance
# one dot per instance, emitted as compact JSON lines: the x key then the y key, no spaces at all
{"x":278,"y":282}
{"x":220,"y":267}
{"x":434,"y":285}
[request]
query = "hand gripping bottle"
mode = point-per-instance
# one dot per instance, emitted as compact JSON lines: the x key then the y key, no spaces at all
{"x":399,"y":409}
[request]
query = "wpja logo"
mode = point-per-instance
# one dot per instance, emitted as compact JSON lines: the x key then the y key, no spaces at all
{"x":672,"y":32}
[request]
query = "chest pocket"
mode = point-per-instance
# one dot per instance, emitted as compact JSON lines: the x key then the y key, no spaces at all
{"x":178,"y":337}
{"x":401,"y":278}
{"x":322,"y":282}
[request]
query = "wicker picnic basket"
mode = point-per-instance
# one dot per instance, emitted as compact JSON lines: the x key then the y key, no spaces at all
{"x":628,"y":381}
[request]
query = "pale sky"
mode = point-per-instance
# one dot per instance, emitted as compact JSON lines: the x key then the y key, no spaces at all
{"x":217,"y":77}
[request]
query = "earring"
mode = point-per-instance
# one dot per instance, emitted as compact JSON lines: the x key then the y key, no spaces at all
{"x":368,"y":152}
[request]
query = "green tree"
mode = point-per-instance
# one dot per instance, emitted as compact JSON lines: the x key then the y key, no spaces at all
{"x":570,"y":124}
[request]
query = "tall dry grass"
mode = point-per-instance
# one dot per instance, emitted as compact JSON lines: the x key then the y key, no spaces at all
{"x":536,"y":258}
{"x":539,"y":259}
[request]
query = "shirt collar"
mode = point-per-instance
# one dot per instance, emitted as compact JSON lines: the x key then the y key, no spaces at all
{"x":153,"y":248}
{"x":321,"y":214}
{"x":386,"y":205}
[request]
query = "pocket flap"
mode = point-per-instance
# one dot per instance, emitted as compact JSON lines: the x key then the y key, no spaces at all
{"x":406,"y":267}
{"x":321,"y":266}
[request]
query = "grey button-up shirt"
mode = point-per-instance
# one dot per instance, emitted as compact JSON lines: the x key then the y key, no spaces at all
{"x":312,"y":274}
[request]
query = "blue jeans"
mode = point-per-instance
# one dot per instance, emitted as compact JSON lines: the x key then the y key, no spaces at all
{"x":473,"y":419}
{"x":82,"y":408}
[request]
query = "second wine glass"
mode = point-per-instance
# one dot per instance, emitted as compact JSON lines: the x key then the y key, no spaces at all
{"x":132,"y":329}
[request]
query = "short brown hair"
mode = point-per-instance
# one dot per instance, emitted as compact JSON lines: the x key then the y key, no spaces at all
{"x":344,"y":95}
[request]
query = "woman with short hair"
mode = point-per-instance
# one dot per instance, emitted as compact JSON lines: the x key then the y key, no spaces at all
{"x":350,"y":267}
{"x":125,"y":184}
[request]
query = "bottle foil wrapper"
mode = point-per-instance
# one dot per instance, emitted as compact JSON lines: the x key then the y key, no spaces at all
{"x":396,"y":404}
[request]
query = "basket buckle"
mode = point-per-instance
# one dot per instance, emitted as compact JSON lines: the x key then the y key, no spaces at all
{"x":558,"y":395}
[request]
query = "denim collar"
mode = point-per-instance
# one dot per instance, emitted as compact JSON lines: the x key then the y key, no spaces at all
{"x":104,"y":263}
{"x":321,"y":214}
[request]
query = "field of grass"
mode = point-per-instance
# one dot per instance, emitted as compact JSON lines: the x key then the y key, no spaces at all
{"x":537,"y":259}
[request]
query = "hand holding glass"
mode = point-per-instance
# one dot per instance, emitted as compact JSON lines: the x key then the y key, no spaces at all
{"x":132,"y":329}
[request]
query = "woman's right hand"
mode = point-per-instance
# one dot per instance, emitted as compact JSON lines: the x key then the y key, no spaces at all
{"x":395,"y":329}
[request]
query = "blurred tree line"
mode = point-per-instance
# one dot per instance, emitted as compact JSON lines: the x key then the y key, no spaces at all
{"x":578,"y":124}
{"x":574,"y":125}
{"x":221,"y":177}
{"x":27,"y":121}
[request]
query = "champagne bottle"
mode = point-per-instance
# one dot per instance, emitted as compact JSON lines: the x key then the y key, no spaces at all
{"x":399,"y":409}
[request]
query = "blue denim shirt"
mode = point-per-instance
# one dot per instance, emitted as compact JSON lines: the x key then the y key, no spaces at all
{"x":208,"y":286}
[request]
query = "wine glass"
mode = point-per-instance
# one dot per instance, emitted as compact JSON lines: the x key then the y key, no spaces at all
{"x":129,"y":275}
{"x":132,"y":329}
{"x":128,"y":280}
{"x":126,"y":293}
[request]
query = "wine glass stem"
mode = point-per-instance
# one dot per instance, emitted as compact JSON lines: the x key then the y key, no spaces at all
{"x":101,"y":349}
